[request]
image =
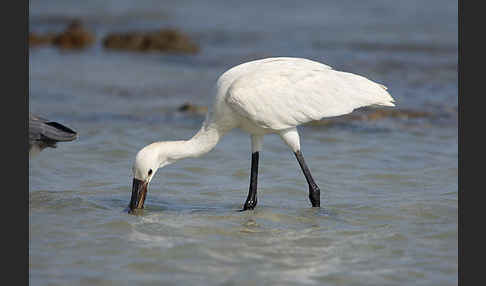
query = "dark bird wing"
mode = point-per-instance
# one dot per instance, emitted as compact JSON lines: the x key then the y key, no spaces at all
{"x":45,"y":133}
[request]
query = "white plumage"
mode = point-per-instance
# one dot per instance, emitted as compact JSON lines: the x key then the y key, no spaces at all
{"x":272,"y":95}
{"x":280,"y":93}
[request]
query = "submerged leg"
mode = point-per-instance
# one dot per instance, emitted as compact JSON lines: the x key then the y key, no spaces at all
{"x":314,"y":192}
{"x":251,"y":200}
{"x":256,"y":146}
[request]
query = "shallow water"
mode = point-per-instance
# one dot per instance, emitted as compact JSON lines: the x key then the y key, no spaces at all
{"x":388,"y":187}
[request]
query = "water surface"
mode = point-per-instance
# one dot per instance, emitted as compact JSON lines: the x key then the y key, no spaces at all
{"x":388,"y":187}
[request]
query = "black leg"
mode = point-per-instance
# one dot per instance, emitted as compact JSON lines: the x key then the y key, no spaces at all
{"x":251,"y":200}
{"x":314,"y":192}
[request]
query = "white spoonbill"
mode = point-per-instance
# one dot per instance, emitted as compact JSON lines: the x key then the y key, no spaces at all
{"x":272,"y":95}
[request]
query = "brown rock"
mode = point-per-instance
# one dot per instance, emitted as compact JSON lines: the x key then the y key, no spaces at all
{"x":194,"y":109}
{"x":403,"y":113}
{"x":37,"y":40}
{"x":74,"y":37}
{"x":373,"y":114}
{"x":164,"y":40}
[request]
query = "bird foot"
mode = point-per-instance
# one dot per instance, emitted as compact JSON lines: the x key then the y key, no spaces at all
{"x":249,"y":205}
{"x":315,"y":197}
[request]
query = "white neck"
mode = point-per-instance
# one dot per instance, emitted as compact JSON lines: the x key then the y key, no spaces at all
{"x":201,"y":143}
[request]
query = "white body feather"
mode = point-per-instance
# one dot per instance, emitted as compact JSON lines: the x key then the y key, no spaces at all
{"x":275,"y":94}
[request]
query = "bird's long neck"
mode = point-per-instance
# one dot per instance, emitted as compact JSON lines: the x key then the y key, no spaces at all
{"x":201,"y":143}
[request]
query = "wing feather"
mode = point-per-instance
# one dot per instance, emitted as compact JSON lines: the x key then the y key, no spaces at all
{"x":42,"y":129}
{"x":284,"y":94}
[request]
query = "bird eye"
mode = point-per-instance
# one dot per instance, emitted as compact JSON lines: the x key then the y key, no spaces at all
{"x":150,"y":172}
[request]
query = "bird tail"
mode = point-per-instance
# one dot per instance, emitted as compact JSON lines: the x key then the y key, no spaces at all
{"x":389,"y":100}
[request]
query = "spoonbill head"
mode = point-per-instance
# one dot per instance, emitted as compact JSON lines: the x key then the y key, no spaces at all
{"x":148,"y":160}
{"x":272,"y":95}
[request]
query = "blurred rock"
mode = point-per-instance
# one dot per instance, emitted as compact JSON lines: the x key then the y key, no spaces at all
{"x":38,"y":40}
{"x":194,"y":109}
{"x":164,"y":40}
{"x":367,"y":114}
{"x":74,"y":37}
{"x":398,"y":113}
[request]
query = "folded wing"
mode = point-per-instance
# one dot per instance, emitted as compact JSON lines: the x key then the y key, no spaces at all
{"x":48,"y":132}
{"x":280,"y":95}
